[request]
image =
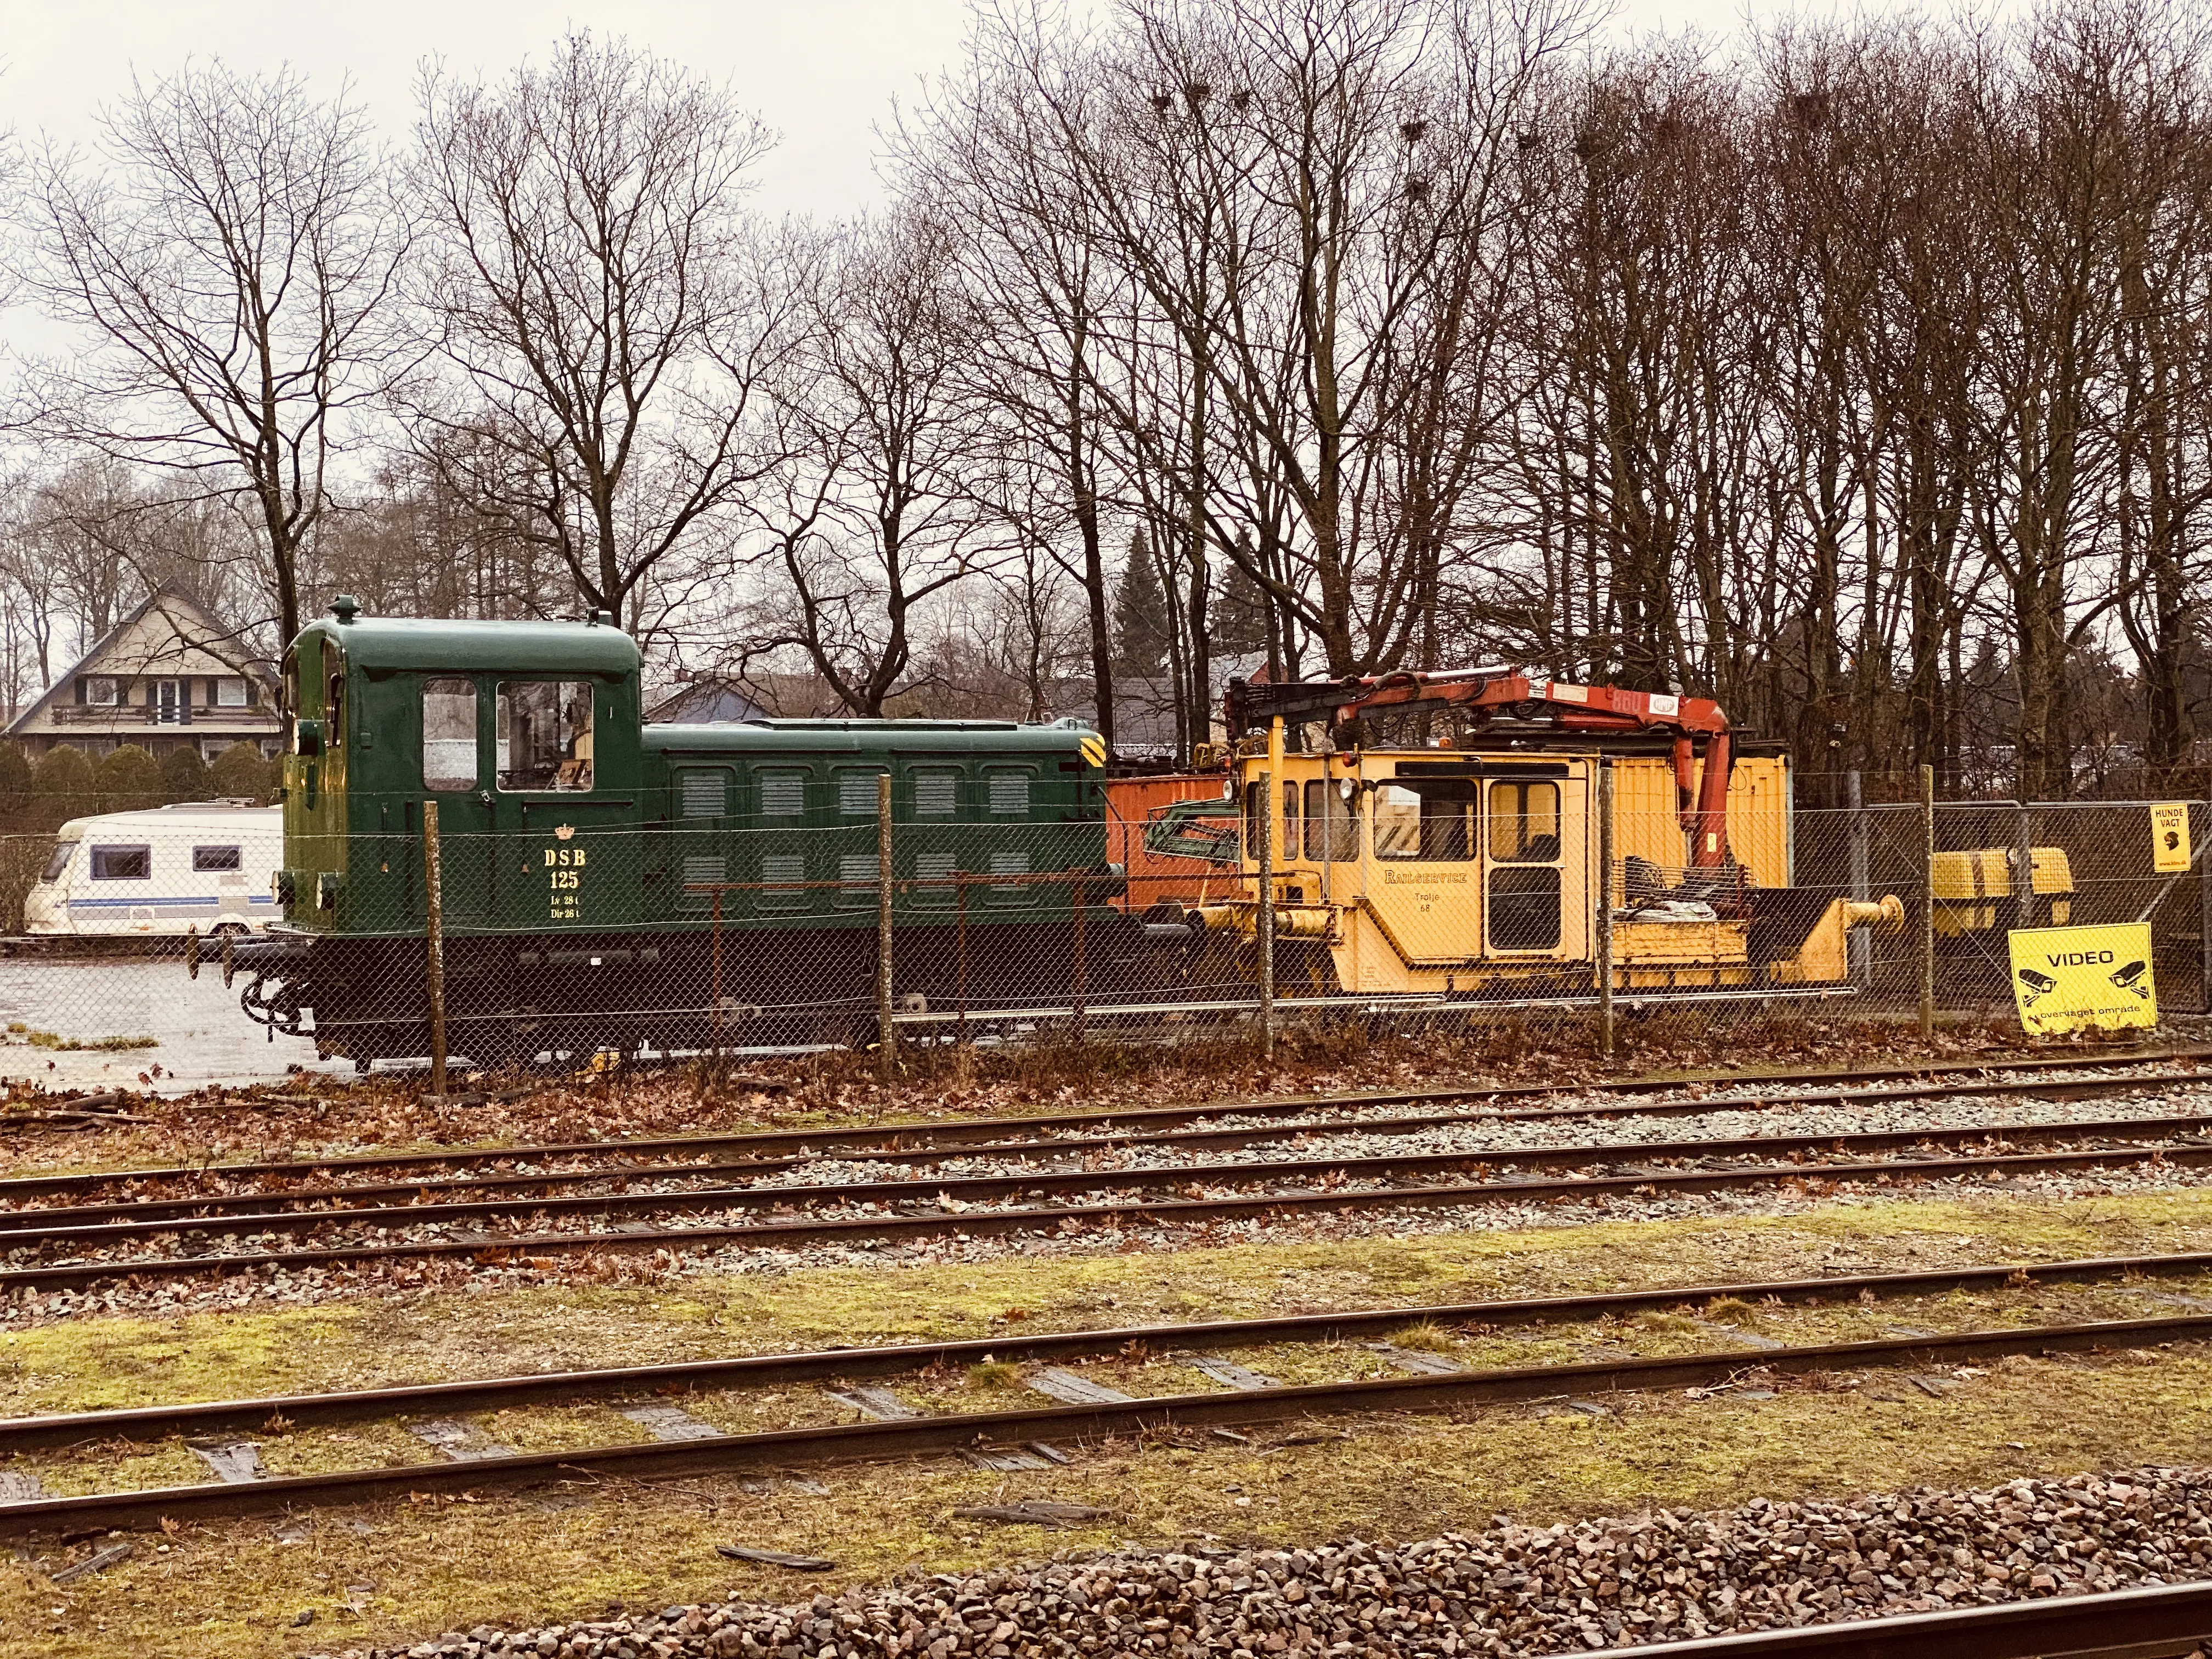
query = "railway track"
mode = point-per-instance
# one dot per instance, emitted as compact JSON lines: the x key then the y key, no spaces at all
{"x":2159,"y":1621}
{"x":1628,"y":1097}
{"x":771,"y":1157}
{"x":65,"y":1227}
{"x":1246,"y":1399}
{"x":858,"y":1205}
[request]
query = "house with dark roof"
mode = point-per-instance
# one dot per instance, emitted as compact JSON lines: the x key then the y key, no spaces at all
{"x":168,"y":676}
{"x":708,"y":700}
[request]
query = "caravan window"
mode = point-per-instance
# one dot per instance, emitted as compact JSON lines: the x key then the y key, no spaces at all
{"x":217,"y":858}
{"x":449,"y":734}
{"x":122,"y":863}
{"x":545,"y":734}
{"x":57,"y":861}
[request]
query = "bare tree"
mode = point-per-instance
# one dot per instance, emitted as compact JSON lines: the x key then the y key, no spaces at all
{"x":879,"y":510}
{"x":610,"y":307}
{"x":227,"y":256}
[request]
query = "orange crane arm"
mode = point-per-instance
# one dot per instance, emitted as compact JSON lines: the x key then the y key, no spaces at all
{"x":1513,"y":693}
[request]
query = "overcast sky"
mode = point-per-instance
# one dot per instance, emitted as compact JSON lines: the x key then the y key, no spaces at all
{"x":824,"y":73}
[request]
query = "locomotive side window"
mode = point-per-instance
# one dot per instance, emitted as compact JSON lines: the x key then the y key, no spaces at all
{"x":936,"y":794}
{"x":782,"y":794}
{"x":544,"y":734}
{"x":856,"y":793}
{"x":449,"y":734}
{"x":702,"y":793}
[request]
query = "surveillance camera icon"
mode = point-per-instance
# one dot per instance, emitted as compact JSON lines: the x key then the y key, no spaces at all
{"x":2039,"y":985}
{"x":2130,"y":978}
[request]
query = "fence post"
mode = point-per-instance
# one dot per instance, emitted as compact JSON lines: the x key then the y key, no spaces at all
{"x":433,"y":910}
{"x":1927,"y":902}
{"x":2204,"y":916}
{"x":719,"y":1067}
{"x":1605,"y":909}
{"x":1081,"y":985}
{"x":886,"y":1033}
{"x":1266,"y":929}
{"x":1861,"y":882}
{"x":2023,"y":879}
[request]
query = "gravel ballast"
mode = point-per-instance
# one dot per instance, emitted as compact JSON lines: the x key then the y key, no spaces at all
{"x":1508,"y":1589}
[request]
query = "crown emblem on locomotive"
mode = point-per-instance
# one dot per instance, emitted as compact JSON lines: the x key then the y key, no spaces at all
{"x":564,"y":831}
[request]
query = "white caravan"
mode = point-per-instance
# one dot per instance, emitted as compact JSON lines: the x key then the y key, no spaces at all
{"x":207,"y":866}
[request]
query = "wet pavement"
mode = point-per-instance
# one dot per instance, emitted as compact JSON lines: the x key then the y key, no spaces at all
{"x":201,"y":1034}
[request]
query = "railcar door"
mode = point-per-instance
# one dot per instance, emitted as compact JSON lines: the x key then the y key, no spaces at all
{"x":1534,"y":829}
{"x":454,"y":721}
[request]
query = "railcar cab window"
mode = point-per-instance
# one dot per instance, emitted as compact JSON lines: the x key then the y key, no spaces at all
{"x":1431,"y":819}
{"x":544,"y":734}
{"x":449,"y":734}
{"x":1329,"y":814}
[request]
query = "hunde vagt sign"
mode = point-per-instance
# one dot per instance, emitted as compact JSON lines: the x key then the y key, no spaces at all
{"x":2070,"y":978}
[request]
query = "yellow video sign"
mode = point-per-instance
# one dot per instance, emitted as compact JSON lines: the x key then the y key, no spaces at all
{"x":2169,"y":837}
{"x":2070,"y":978}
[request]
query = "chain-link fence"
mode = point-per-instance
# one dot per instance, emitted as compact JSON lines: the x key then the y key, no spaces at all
{"x":195,"y":944}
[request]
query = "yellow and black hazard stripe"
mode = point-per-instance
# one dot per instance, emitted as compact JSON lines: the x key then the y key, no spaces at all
{"x":1094,"y":748}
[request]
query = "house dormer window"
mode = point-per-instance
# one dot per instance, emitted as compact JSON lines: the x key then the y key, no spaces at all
{"x":230,"y":692}
{"x":103,"y":690}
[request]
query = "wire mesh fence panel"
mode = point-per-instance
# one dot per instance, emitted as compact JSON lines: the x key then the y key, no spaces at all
{"x":716,"y":932}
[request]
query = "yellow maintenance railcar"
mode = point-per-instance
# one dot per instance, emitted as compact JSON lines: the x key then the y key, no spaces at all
{"x":1471,"y":866}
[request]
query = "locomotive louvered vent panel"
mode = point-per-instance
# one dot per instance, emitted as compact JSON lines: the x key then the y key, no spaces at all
{"x":936,"y":794}
{"x":784,"y":869}
{"x":782,"y":794}
{"x":1010,"y":793}
{"x":934,"y":866}
{"x":856,"y":794}
{"x":858,"y":869}
{"x":703,"y":793}
{"x":1010,"y":864}
{"x":697,"y":870}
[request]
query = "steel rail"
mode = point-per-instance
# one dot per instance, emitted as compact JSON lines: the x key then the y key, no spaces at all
{"x":977,"y":1133}
{"x":59,"y":1227}
{"x":905,"y":1436}
{"x":209,"y":1205}
{"x":494,"y":1248}
{"x":2164,"y":1619}
{"x":145,"y":1423}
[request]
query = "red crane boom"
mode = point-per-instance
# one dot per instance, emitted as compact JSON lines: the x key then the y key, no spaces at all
{"x":1513,"y":693}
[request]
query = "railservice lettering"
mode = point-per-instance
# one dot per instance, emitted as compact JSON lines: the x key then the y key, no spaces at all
{"x":2080,"y":958}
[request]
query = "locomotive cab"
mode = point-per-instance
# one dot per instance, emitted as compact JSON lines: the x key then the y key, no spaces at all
{"x":523,"y":736}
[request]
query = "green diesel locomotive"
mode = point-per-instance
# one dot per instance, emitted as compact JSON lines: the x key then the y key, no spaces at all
{"x":609,"y":884}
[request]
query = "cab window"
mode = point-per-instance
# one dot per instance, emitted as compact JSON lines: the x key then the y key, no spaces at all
{"x":449,"y":734}
{"x":1431,"y":819}
{"x":544,"y":734}
{"x":1329,"y":818}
